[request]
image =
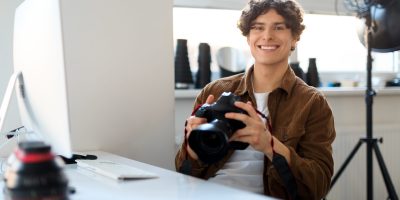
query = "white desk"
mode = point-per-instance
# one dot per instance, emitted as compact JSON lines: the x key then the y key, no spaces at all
{"x":169,"y":186}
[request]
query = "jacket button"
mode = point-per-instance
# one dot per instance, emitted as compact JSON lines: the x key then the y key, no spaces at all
{"x":284,"y":136}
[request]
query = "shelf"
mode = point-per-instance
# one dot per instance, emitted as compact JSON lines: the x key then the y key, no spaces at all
{"x":192,"y":93}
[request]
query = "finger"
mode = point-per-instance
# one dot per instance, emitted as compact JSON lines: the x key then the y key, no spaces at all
{"x":236,"y":139}
{"x":238,"y":134}
{"x":188,"y":131}
{"x":193,"y":122}
{"x":241,"y":138}
{"x":248,"y":107}
{"x":196,"y":120}
{"x":193,"y":126}
{"x":238,"y":116}
{"x":210,"y":99}
{"x":192,"y":153}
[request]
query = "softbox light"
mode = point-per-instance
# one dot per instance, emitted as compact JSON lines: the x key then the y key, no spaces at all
{"x":385,"y":16}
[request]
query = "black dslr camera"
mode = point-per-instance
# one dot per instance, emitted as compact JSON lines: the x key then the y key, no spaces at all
{"x":210,"y":141}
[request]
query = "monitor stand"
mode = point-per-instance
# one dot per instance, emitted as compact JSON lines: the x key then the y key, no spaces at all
{"x":7,"y":96}
{"x":17,"y":76}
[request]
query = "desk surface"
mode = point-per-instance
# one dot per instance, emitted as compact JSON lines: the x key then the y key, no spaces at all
{"x":169,"y":185}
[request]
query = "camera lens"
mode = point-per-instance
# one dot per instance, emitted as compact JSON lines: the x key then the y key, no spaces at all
{"x":212,"y":142}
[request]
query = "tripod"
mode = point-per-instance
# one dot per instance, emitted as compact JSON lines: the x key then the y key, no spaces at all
{"x":372,"y":143}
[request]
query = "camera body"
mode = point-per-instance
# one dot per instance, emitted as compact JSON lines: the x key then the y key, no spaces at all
{"x":34,"y":173}
{"x":210,"y":141}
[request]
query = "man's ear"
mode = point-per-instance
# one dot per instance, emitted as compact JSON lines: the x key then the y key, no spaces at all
{"x":294,"y":42}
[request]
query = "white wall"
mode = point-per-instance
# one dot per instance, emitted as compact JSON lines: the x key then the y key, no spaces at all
{"x":120,"y":76}
{"x":119,"y":66}
{"x":12,"y":120}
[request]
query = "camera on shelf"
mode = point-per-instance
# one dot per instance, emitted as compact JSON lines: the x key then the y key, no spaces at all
{"x":34,"y":173}
{"x":210,"y":141}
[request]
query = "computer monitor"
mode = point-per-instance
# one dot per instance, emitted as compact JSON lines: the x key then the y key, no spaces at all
{"x":39,"y":56}
{"x":118,"y":60}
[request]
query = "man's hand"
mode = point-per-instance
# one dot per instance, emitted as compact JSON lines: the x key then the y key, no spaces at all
{"x":255,"y":133}
{"x":192,"y":123}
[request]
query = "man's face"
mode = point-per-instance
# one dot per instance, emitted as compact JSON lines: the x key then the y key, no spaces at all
{"x":270,"y":40}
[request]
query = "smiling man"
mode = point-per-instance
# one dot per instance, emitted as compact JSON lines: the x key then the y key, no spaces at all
{"x":290,"y":154}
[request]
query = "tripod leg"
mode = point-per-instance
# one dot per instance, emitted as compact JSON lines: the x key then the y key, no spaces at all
{"x":346,"y":162}
{"x":385,"y":173}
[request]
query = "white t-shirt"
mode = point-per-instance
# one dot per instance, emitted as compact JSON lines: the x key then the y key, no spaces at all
{"x":244,"y":170}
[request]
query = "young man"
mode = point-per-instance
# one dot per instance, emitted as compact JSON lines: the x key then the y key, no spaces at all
{"x":301,"y":127}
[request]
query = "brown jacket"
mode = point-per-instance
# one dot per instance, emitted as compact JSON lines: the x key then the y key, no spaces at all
{"x":301,"y":119}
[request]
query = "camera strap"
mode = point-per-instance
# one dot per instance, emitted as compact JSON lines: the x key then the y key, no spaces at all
{"x":281,"y":165}
{"x":284,"y":172}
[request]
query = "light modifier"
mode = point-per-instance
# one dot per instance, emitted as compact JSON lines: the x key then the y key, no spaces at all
{"x":385,"y":16}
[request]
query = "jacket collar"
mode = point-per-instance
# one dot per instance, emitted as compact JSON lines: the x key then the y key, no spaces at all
{"x":287,"y":83}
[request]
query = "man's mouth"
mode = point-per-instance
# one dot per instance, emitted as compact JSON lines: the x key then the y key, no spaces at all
{"x":268,"y":47}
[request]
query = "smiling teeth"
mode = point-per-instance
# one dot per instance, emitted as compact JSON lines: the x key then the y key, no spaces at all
{"x":268,"y":47}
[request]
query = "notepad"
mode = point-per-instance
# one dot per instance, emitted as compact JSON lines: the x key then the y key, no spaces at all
{"x":115,"y":170}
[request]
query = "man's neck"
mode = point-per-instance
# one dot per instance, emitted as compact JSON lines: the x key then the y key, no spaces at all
{"x":268,"y":78}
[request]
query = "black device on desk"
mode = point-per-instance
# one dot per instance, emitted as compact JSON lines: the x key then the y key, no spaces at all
{"x":75,"y":157}
{"x":34,"y":172}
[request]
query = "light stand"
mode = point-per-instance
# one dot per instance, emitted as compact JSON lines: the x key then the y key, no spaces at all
{"x":372,"y":143}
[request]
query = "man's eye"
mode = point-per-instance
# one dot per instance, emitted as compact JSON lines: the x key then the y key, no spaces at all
{"x":280,"y":27}
{"x":257,"y":28}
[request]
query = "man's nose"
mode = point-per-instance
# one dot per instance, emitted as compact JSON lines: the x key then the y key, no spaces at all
{"x":268,"y":34}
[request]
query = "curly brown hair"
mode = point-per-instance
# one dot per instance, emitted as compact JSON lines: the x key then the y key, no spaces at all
{"x":290,"y":10}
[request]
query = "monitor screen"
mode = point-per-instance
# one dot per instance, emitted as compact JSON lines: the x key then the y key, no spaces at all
{"x":39,"y":56}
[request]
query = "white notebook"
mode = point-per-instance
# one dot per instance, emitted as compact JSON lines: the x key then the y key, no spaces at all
{"x":115,"y":170}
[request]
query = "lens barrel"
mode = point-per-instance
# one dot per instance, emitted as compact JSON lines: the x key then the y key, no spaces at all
{"x":34,"y":173}
{"x":210,"y":141}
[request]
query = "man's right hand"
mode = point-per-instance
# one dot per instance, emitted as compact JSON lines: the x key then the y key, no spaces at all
{"x":192,"y":123}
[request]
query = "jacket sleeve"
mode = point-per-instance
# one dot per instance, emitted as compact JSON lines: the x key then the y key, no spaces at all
{"x":312,"y":161}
